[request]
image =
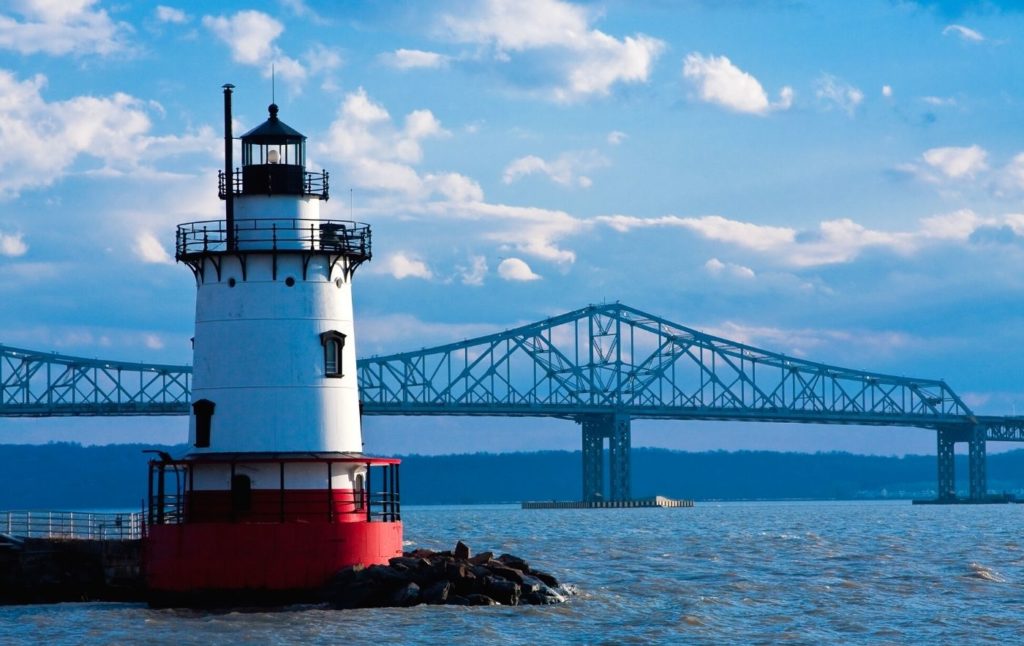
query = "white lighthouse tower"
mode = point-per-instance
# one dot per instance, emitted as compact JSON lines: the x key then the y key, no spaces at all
{"x":275,"y":495}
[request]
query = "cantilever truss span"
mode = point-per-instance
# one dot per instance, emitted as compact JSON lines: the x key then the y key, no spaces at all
{"x":42,"y":384}
{"x":600,"y":366}
{"x":613,"y":359}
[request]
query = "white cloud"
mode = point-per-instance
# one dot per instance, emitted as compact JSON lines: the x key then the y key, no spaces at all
{"x":401,"y":266}
{"x":887,"y":91}
{"x":716,"y":267}
{"x":250,"y":35}
{"x":301,"y":10}
{"x":42,"y":141}
{"x":12,"y":245}
{"x":147,"y":248}
{"x":411,"y":59}
{"x":153,"y":341}
{"x":1013,"y":173}
{"x":532,"y":231}
{"x":379,"y":156}
{"x":938,"y":101}
{"x":616,"y":137}
{"x":60,"y":27}
{"x":516,"y":269}
{"x":720,"y":82}
{"x":965,"y":33}
{"x":582,"y":61}
{"x":475,"y":273}
{"x":836,"y":92}
{"x":956,"y":162}
{"x":804,"y":342}
{"x":567,"y":169}
{"x":832,"y":242}
{"x":453,"y":187}
{"x":170,"y":14}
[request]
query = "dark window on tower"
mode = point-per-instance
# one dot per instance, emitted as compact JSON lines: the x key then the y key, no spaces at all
{"x":333,"y":342}
{"x":241,"y":494}
{"x":203,"y":410}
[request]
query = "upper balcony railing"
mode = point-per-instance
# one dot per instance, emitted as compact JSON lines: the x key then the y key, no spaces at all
{"x":274,"y":179}
{"x":343,"y":237}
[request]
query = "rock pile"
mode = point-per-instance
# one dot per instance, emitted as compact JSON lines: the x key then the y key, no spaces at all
{"x":450,"y":577}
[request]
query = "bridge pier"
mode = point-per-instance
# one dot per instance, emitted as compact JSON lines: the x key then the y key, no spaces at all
{"x":617,"y":430}
{"x":947,"y":437}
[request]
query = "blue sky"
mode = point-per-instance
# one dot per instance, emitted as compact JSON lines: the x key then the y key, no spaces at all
{"x":840,"y":181}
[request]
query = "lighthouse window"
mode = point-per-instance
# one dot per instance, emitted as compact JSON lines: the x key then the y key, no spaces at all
{"x":333,"y":342}
{"x":241,"y":494}
{"x":203,"y":410}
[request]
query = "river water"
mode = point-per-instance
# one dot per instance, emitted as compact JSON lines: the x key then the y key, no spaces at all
{"x":796,"y":572}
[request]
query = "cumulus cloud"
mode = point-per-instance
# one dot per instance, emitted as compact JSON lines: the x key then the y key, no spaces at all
{"x":170,"y":14}
{"x":147,"y":248}
{"x":12,"y":245}
{"x":831,"y":242}
{"x":954,"y":162}
{"x":250,"y":35}
{"x":1013,"y":173}
{"x":43,"y":140}
{"x":835,"y":92}
{"x":531,"y":231}
{"x":964,"y":33}
{"x":716,"y":267}
{"x":718,"y":81}
{"x":616,"y":137}
{"x":62,"y":27}
{"x":475,"y":273}
{"x":804,"y":342}
{"x":516,"y":269}
{"x":567,"y":169}
{"x":554,"y":43}
{"x":379,"y":155}
{"x":411,"y":59}
{"x":401,"y":265}
{"x":887,"y":91}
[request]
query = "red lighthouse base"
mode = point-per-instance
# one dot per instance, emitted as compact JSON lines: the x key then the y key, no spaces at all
{"x":207,"y":548}
{"x":291,"y":560}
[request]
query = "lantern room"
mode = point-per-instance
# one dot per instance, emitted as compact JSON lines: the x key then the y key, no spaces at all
{"x":273,"y":142}
{"x":273,"y":162}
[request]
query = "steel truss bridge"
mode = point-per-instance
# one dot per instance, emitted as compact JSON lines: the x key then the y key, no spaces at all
{"x":600,"y":366}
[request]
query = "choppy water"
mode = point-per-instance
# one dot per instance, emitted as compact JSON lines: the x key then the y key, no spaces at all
{"x":812,"y":572}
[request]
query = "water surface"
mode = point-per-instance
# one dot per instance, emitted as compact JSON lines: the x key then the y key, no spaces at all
{"x":800,"y":572}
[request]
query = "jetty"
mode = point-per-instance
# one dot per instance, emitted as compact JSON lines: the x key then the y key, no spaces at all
{"x":636,"y":503}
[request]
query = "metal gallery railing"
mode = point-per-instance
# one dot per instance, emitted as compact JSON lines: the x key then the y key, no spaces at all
{"x":68,"y":525}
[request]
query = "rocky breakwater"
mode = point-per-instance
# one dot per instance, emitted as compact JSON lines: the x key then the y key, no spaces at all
{"x":453,"y":577}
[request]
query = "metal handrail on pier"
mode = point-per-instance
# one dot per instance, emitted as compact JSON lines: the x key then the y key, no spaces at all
{"x":72,"y":525}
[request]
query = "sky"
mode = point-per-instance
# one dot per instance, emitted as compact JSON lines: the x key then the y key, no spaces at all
{"x":834,"y":180}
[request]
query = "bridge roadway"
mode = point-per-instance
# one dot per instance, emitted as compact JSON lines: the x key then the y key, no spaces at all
{"x":600,"y":366}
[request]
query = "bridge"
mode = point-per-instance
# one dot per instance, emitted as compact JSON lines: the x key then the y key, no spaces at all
{"x":601,"y":367}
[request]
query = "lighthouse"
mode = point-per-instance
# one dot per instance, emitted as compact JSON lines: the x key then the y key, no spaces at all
{"x":274,"y":494}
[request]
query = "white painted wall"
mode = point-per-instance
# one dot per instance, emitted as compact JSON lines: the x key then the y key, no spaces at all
{"x":258,"y":355}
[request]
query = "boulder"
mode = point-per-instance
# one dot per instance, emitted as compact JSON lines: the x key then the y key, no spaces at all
{"x":407,"y":595}
{"x":503,"y":591}
{"x":450,"y":577}
{"x":436,"y":593}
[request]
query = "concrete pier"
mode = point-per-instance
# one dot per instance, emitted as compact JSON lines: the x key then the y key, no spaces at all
{"x":657,"y":501}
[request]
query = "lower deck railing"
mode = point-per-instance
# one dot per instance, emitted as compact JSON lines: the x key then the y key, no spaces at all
{"x":72,"y":525}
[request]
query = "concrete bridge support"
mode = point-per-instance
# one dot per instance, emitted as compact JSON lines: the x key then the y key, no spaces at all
{"x":616,"y":429}
{"x":947,"y":437}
